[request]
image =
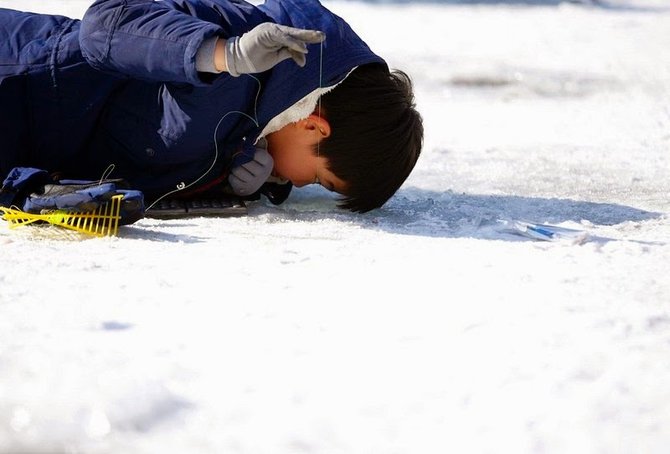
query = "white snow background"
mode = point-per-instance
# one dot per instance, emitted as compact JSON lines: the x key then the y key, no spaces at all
{"x":422,"y":327}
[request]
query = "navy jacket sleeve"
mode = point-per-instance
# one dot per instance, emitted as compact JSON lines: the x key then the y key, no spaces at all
{"x":158,"y":41}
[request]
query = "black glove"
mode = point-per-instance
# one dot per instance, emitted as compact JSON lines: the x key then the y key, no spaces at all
{"x":276,"y":193}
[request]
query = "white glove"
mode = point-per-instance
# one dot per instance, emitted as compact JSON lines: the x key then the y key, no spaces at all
{"x":249,"y":177}
{"x":266,"y":45}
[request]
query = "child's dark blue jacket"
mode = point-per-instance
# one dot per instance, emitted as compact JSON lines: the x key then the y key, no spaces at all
{"x":120,"y":87}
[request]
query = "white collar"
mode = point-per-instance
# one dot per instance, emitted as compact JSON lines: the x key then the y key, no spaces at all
{"x":298,"y":111}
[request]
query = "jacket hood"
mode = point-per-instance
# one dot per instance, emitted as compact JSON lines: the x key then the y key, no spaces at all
{"x":327,"y":64}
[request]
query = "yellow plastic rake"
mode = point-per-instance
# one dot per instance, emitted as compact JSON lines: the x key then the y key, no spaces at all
{"x":104,"y":221}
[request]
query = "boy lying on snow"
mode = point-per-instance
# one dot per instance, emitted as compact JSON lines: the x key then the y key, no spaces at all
{"x":162,"y":91}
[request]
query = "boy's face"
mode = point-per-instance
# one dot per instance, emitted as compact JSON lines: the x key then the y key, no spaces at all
{"x":292,"y":149}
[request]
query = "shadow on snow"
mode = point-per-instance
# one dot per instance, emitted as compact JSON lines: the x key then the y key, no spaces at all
{"x":447,"y":214}
{"x":420,"y":212}
{"x":435,"y":214}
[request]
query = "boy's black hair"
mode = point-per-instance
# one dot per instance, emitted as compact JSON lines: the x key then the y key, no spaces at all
{"x":376,"y":134}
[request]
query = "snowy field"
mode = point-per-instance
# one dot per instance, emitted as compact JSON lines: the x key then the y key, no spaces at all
{"x":420,"y":328}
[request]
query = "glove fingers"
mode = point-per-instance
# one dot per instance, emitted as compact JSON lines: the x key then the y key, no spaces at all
{"x":295,"y":47}
{"x":287,"y":42}
{"x":263,"y":157}
{"x":298,"y":57}
{"x":235,"y":182}
{"x":241,"y":174}
{"x":296,"y":39}
{"x":260,"y":166}
{"x":253,"y":168}
{"x":247,"y":178}
{"x":306,"y":36}
{"x":243,"y":186}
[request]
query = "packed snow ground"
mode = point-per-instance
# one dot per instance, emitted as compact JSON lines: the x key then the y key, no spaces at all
{"x":418,"y":328}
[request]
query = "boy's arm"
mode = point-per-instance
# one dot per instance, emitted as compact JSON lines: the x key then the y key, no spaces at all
{"x":144,"y":39}
{"x":171,"y":42}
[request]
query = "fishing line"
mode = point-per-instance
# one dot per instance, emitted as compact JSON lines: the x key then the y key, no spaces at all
{"x":108,"y":171}
{"x":318,"y":144}
{"x":183,"y":186}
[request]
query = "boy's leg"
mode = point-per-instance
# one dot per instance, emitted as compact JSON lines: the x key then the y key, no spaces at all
{"x":14,"y":137}
{"x":22,"y":52}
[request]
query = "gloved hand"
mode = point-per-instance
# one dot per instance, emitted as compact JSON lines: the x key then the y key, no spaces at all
{"x":266,"y":45}
{"x":245,"y":179}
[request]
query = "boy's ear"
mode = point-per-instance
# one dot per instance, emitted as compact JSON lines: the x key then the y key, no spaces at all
{"x":317,"y":123}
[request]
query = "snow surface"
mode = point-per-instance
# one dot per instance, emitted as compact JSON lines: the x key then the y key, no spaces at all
{"x":421,"y":327}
